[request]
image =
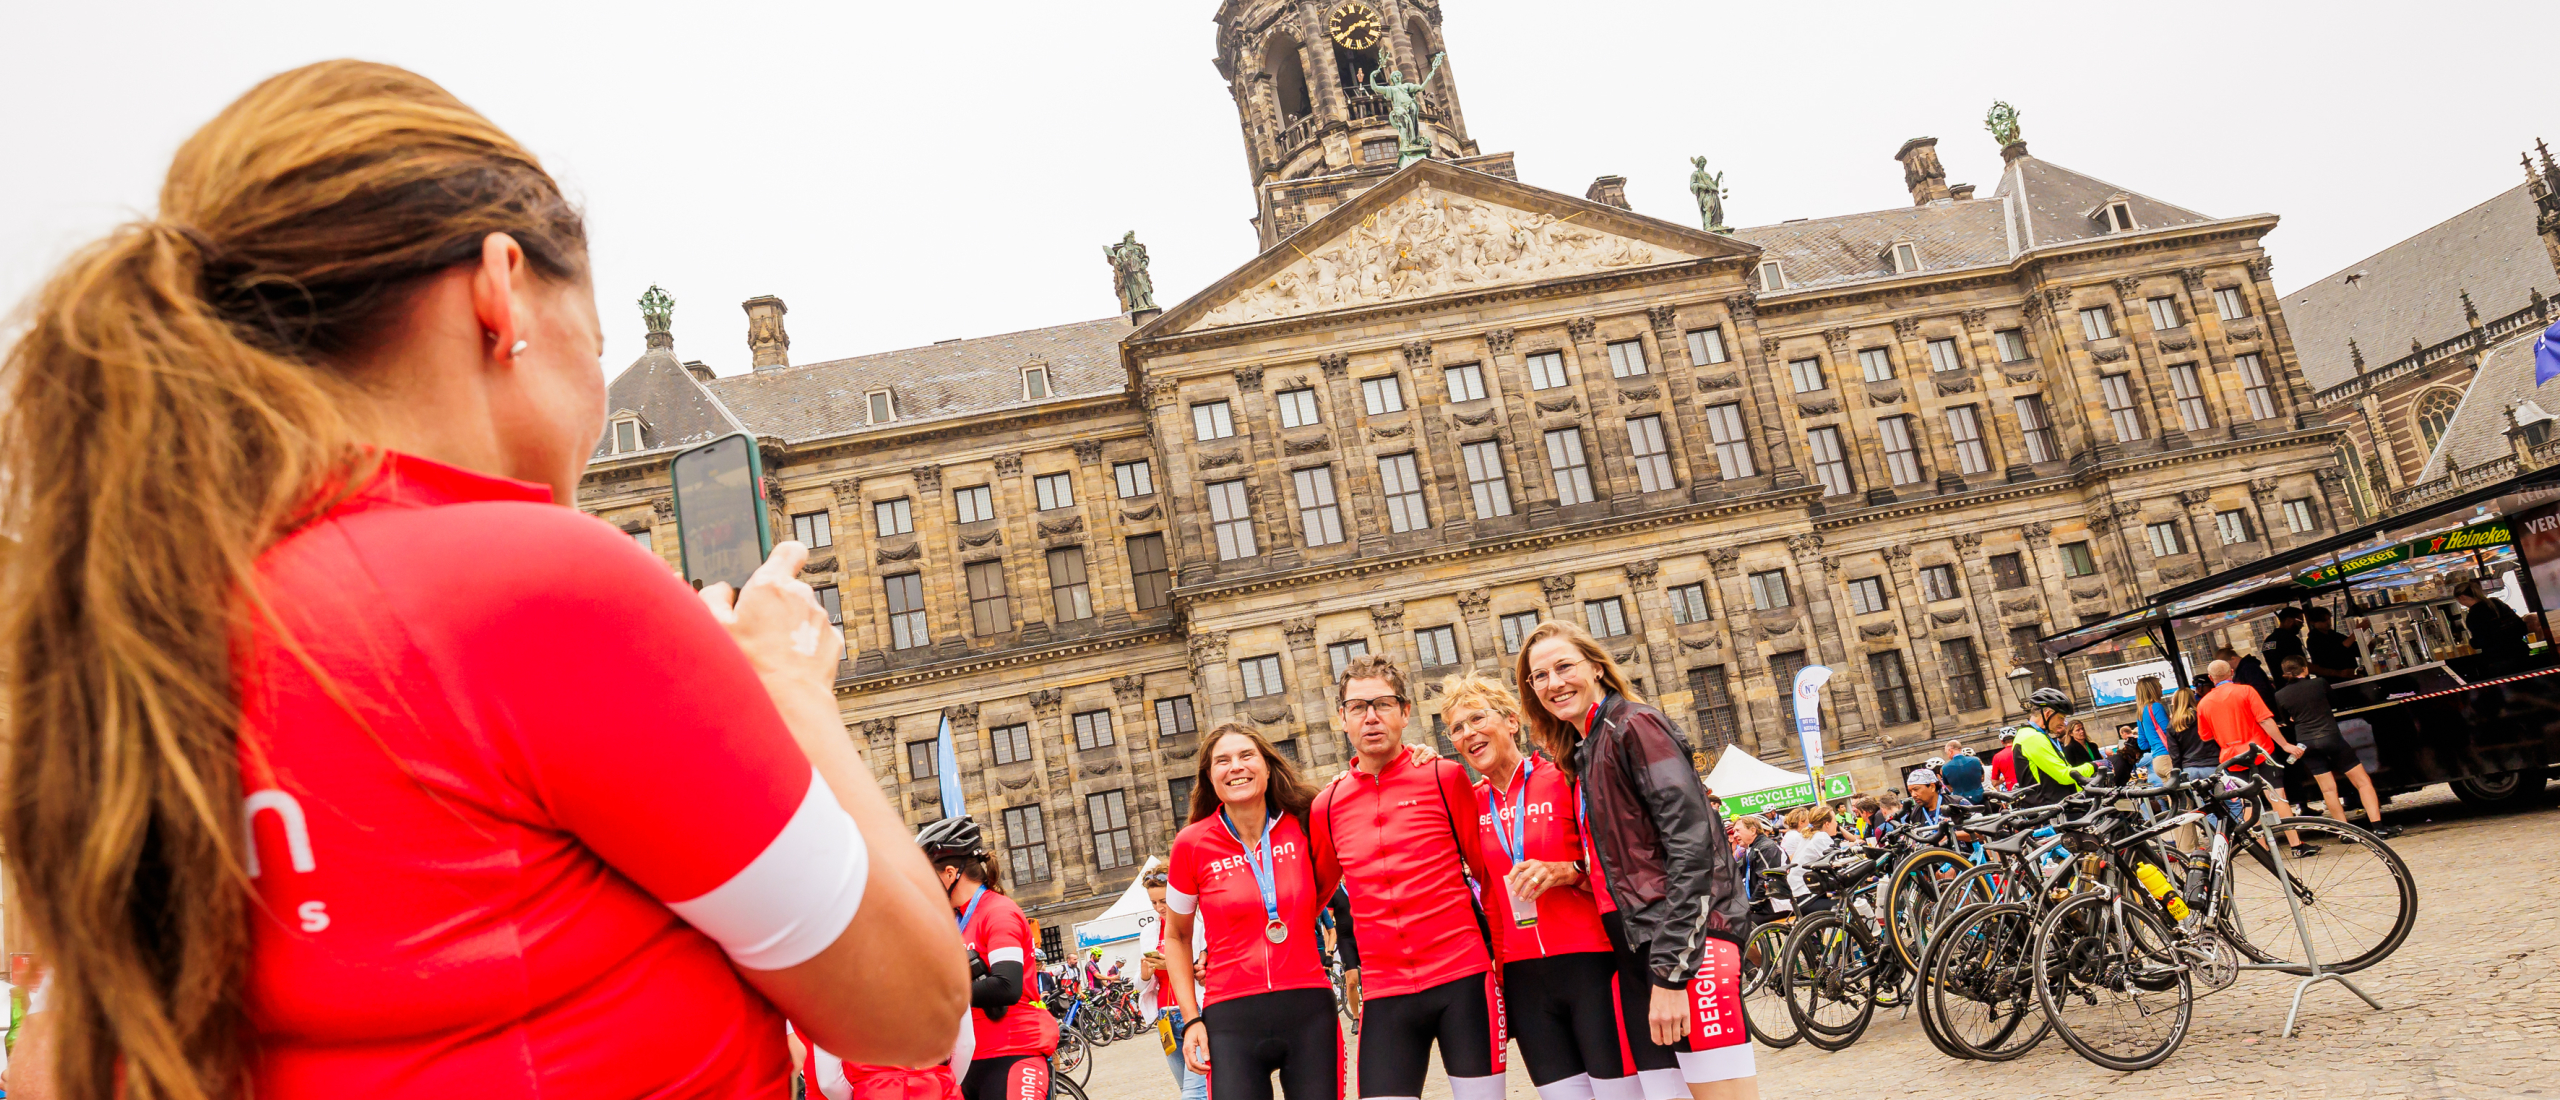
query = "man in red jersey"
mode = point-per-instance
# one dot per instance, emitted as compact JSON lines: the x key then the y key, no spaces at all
{"x":1400,"y":834}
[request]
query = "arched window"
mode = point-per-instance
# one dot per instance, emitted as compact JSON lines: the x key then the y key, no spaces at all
{"x":1418,"y":40}
{"x":2434,"y":412}
{"x":1288,"y":77}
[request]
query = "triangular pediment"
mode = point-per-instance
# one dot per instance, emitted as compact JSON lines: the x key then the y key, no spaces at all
{"x":1435,"y":229}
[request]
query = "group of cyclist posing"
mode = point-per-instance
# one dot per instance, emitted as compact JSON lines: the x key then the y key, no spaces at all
{"x":1582,"y":898}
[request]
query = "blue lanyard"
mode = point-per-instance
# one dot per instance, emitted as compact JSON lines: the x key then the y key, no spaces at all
{"x":1514,"y":843}
{"x":972,"y":910}
{"x":1263,"y":877}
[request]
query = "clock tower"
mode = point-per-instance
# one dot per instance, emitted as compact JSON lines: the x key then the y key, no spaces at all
{"x":1306,"y":76}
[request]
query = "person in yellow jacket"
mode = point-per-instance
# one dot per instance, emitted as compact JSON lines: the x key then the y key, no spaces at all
{"x":2044,"y":776}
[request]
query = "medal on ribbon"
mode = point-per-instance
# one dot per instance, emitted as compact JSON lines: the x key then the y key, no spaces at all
{"x":1515,"y":842}
{"x":1264,"y":879}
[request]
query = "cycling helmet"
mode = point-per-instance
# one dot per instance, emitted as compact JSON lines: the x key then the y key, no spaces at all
{"x":2050,"y":699}
{"x":951,"y":836}
{"x":1935,"y":762}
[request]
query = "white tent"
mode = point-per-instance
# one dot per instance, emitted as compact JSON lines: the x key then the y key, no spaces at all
{"x":1127,"y":929}
{"x":1748,"y":784}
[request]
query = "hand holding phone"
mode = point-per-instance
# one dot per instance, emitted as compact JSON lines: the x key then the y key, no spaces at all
{"x":721,"y":522}
{"x":778,"y":624}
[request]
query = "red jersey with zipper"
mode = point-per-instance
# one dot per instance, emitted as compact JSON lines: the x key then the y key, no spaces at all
{"x":1396,"y":841}
{"x":999,"y":932}
{"x":1207,"y":876}
{"x":1538,"y":813}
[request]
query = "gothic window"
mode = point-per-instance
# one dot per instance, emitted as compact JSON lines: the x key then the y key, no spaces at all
{"x":2434,"y":413}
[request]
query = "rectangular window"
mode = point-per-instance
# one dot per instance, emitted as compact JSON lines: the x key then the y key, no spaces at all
{"x":1384,"y":395}
{"x":1901,"y":458}
{"x":1546,"y":370}
{"x":2008,"y":571}
{"x":1807,"y":374}
{"x":1942,"y":355}
{"x":1893,"y":690}
{"x":1733,"y":452}
{"x":1830,"y":463}
{"x":1212,"y":420}
{"x":1572,"y":472}
{"x":1178,"y":789}
{"x":2036,"y":429}
{"x":1136,"y":479}
{"x":2164,"y":539}
{"x":811,"y":529}
{"x":2253,"y":381}
{"x":2011,"y":343}
{"x":1485,"y":479}
{"x":1626,"y":359}
{"x":1938,"y":582}
{"x":893,"y":517}
{"x":906,"y":611}
{"x":1318,"y":515}
{"x":1069,"y":593}
{"x":1769,"y":590}
{"x":2024,"y":650}
{"x":2077,"y":561}
{"x":1093,"y":730}
{"x":2228,"y":303}
{"x":1688,"y":604}
{"x":1261,"y":676}
{"x":831,"y":601}
{"x":2232,"y":526}
{"x":2096,"y":323}
{"x":2164,"y":312}
{"x":1876,"y":364}
{"x":883,"y":408}
{"x":1148,"y":572}
{"x":1055,"y":490}
{"x":644,"y":540}
{"x":975,"y":503}
{"x":1465,"y":382}
{"x":2190,"y":391}
{"x":1012,"y":743}
{"x":1706,"y":346}
{"x":1026,"y":845}
{"x":1605,"y":618}
{"x":1713,"y":697}
{"x":1035,"y":383}
{"x":1174,"y":717}
{"x":1435,"y":646}
{"x":1339,"y":655}
{"x":1906,"y":259}
{"x":2118,"y":389}
{"x":1963,"y":672}
{"x":990,"y":609}
{"x":2122,"y":215}
{"x":1297,"y":407}
{"x":1109,"y":813}
{"x":1651,"y":456}
{"x":1773,"y":276}
{"x":2297,"y":515}
{"x":626,"y":436}
{"x":1398,"y":478}
{"x":1866,"y":595}
{"x":1964,"y":433}
{"x":1230,"y":521}
{"x":1516,"y":628}
{"x":924,"y":759}
{"x":1783,"y":667}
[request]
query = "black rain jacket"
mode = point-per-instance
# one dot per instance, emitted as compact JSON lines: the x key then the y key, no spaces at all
{"x":1661,"y":847}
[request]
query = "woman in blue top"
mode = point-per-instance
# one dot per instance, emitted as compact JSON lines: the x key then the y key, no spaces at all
{"x":2151,"y":724}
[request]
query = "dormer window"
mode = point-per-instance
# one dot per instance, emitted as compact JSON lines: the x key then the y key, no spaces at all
{"x":625,"y":435}
{"x":2116,"y":215}
{"x":1035,"y":383}
{"x":1772,"y":277}
{"x":1906,"y":259}
{"x":883,"y":407}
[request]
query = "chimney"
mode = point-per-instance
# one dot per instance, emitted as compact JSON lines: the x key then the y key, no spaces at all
{"x":700,"y":370}
{"x":1961,"y":192}
{"x":766,"y":340}
{"x":1921,"y":171}
{"x":1609,"y":191}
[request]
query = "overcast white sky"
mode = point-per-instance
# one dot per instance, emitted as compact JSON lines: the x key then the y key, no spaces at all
{"x":902,"y":173}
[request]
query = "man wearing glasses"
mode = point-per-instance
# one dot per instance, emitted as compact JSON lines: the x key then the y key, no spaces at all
{"x":1398,"y":827}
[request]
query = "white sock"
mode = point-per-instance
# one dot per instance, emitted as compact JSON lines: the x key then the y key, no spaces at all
{"x":1720,"y":1064}
{"x":1663,"y":1084}
{"x":1476,"y":1088}
{"x":1629,"y":1087}
{"x":1576,"y":1087}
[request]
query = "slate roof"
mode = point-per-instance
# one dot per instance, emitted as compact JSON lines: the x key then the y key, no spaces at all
{"x":2048,"y":204}
{"x":2478,"y":433}
{"x":2409,"y":290}
{"x":675,"y":410}
{"x":937,"y":381}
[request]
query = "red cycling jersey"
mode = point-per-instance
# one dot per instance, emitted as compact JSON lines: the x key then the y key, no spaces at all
{"x":1207,"y":874}
{"x":517,"y":813}
{"x":1000,"y":933}
{"x":1396,"y":841}
{"x":1568,"y":920}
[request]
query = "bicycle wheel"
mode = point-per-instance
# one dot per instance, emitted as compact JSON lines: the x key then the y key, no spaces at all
{"x":2112,"y":982}
{"x":1911,"y":898}
{"x":2359,"y":900}
{"x":1981,"y":986}
{"x":1983,"y":884}
{"x":1927,"y":1004}
{"x":1073,"y":1058}
{"x":1764,"y":995}
{"x":1828,"y":967}
{"x":1061,"y":1088}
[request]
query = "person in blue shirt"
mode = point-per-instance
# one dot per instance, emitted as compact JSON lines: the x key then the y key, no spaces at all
{"x":1962,"y":779}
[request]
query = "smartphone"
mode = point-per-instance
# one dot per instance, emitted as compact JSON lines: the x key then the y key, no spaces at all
{"x":721,"y":519}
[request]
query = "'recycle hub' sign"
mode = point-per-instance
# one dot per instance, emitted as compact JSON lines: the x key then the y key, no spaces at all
{"x":1789,"y":796}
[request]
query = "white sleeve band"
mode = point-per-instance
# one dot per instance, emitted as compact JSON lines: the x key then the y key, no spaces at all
{"x":1004,"y":955}
{"x":795,"y":897}
{"x":1180,"y":902}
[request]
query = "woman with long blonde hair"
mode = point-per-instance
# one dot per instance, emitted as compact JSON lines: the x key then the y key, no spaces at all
{"x":344,"y":756}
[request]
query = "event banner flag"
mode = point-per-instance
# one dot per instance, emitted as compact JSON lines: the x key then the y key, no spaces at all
{"x":945,"y":762}
{"x":1789,"y":797}
{"x":1809,"y":681}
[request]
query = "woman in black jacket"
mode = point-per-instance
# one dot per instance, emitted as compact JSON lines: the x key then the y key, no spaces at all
{"x":1681,"y":913}
{"x":2495,"y":629}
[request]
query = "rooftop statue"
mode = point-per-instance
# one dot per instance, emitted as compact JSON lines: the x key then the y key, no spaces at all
{"x":1709,"y":188}
{"x":657,"y":309}
{"x":2002,"y":122}
{"x":1129,"y":274}
{"x":1404,"y":110}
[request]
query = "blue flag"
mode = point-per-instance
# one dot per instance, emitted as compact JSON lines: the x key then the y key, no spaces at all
{"x":949,"y":767}
{"x":2546,"y":355}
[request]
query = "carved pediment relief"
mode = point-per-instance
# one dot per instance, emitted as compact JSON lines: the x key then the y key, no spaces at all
{"x":1817,"y":406}
{"x":1307,"y":446}
{"x":1556,"y":404}
{"x":1953,"y":383}
{"x":1718,"y":381}
{"x":1877,"y":630}
{"x":1473,"y":419}
{"x":2088,"y":591}
{"x":1267,"y":711}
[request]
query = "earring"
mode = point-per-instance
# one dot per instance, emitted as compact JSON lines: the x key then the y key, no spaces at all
{"x":517,"y":350}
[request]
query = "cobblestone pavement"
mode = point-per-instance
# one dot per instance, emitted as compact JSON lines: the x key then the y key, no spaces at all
{"x":2475,"y":994}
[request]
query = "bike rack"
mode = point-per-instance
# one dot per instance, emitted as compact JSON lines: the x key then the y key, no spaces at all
{"x":2310,"y":956}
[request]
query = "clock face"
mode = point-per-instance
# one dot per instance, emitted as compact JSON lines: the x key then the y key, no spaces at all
{"x":1355,"y":26}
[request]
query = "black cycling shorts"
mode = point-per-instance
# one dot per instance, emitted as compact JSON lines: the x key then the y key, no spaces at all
{"x":1396,"y":1034}
{"x":1564,"y":1011}
{"x":1718,"y":1047}
{"x":1007,"y":1077}
{"x":2329,"y":755}
{"x":1291,"y":1032}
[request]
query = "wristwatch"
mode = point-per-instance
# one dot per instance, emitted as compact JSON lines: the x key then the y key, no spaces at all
{"x":1579,"y":869}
